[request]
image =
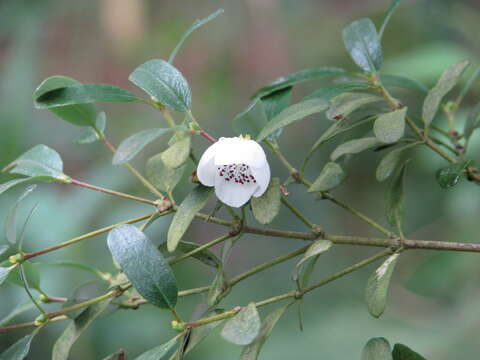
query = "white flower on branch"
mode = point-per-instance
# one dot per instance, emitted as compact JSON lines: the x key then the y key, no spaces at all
{"x":238,"y":169}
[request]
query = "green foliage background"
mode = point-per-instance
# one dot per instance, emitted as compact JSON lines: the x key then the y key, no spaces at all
{"x":433,"y":296}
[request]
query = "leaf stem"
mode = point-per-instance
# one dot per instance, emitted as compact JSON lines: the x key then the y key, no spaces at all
{"x":297,"y":213}
{"x":201,"y":248}
{"x":26,"y":286}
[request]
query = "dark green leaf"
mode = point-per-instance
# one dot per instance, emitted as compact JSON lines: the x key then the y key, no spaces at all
{"x":330,"y":91}
{"x":449,"y":176}
{"x":164,"y":178}
{"x":298,"y":77}
{"x":135,"y":143}
{"x":390,"y":161}
{"x":344,"y":104}
{"x":40,"y":162}
{"x":90,"y":135}
{"x":330,"y":177}
{"x":472,"y":123}
{"x":318,"y":247}
{"x":447,"y":81}
{"x":62,"y":346}
{"x":252,"y":351}
{"x":402,"y":352}
{"x":377,"y":286}
{"x":251,"y":120}
{"x":192,"y":204}
{"x":354,"y":147}
{"x":82,"y":94}
{"x":292,"y":114}
{"x":205,"y":256}
{"x":391,"y":9}
{"x":164,"y":83}
{"x":244,"y":327}
{"x":274,"y":104}
{"x":144,"y":266}
{"x":160,"y":352}
{"x":363,"y":44}
{"x":390,"y":127}
{"x":20,"y":349}
{"x":267,"y":206}
{"x":394,"y":198}
{"x":377,"y":349}
{"x":11,"y":221}
{"x":81,"y":115}
{"x":401,"y":81}
{"x":178,"y":152}
{"x":196,"y":24}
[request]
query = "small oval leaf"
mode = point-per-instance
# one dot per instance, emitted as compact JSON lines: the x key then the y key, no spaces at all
{"x":377,"y":349}
{"x":344,"y":104}
{"x":318,"y":247}
{"x":449,"y":176}
{"x":164,"y":83}
{"x":144,"y":266}
{"x":266,"y":207}
{"x":177,"y":153}
{"x":192,"y":204}
{"x":390,"y":161}
{"x":330,"y":177}
{"x":292,"y":114}
{"x":363,"y":44}
{"x":354,"y":147}
{"x":377,"y":286}
{"x":402,"y":352}
{"x":244,"y":327}
{"x":390,"y":127}
{"x":447,"y":81}
{"x":164,"y":178}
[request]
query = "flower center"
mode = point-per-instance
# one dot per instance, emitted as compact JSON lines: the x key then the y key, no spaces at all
{"x":238,"y":173}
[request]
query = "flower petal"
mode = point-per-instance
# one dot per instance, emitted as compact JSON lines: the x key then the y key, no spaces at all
{"x":206,"y":169}
{"x":240,"y":151}
{"x":232,"y":193}
{"x":262,"y":175}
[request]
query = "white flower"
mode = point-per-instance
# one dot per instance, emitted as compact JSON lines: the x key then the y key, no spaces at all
{"x":238,"y":169}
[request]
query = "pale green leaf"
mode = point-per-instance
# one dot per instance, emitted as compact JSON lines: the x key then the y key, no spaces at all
{"x":390,"y":127}
{"x":391,"y":9}
{"x":244,"y":327}
{"x":266,"y":207}
{"x":344,"y":104}
{"x":160,"y":352}
{"x":20,"y":349}
{"x":377,"y":349}
{"x":318,"y":247}
{"x":176,"y":155}
{"x":330,"y":177}
{"x":90,"y":135}
{"x":354,"y":147}
{"x":164,"y":178}
{"x":389,"y":162}
{"x":394,"y":198}
{"x":11,"y":220}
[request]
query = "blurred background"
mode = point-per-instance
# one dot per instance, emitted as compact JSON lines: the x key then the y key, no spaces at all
{"x":433,"y":299}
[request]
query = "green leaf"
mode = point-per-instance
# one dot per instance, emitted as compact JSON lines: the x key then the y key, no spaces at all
{"x":377,"y":349}
{"x":403,"y":82}
{"x":244,"y":327}
{"x":274,"y":104}
{"x":89,"y":135}
{"x":330,"y":91}
{"x":144,"y":266}
{"x":164,"y":178}
{"x":192,"y":204}
{"x":344,"y":104}
{"x":394,"y":198}
{"x":217,"y":288}
{"x":4,"y":272}
{"x":62,"y":346}
{"x":198,"y":334}
{"x":81,"y":115}
{"x":3,"y":249}
{"x":17,"y":310}
{"x":472,"y":123}
{"x":298,"y":77}
{"x":178,"y":152}
{"x":205,"y":256}
{"x":251,"y":120}
{"x":11,"y":221}
{"x":390,"y":161}
{"x":330,"y":177}
{"x":196,"y":24}
{"x":84,"y":292}
{"x":377,"y":286}
{"x":31,"y":273}
{"x":252,"y":351}
{"x":363,"y":44}
{"x":354,"y":147}
{"x":41,"y":163}
{"x":292,"y":114}
{"x":318,"y":247}
{"x":82,"y":94}
{"x":391,"y":9}
{"x":449,"y":176}
{"x":9,"y":184}
{"x":402,"y":352}
{"x":164,"y":83}
{"x":20,"y":349}
{"x":75,"y":265}
{"x":471,"y":80}
{"x":447,"y":81}
{"x":131,"y":146}
{"x":390,"y":127}
{"x":266,"y":207}
{"x":159,"y":352}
